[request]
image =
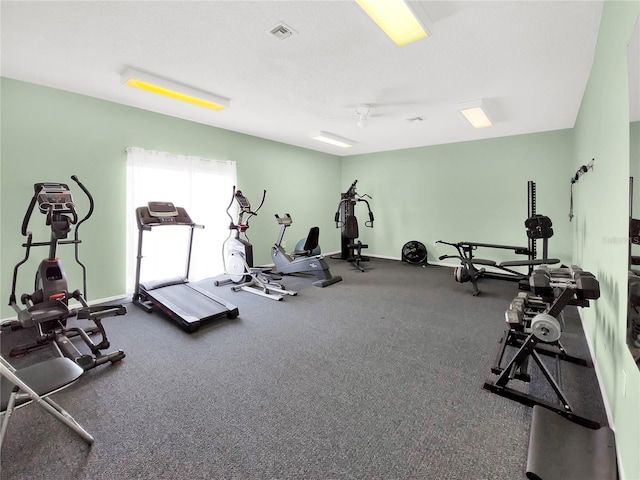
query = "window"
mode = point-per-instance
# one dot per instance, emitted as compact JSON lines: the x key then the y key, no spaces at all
{"x":203,"y":188}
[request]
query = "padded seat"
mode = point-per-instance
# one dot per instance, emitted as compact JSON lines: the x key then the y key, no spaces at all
{"x":34,"y":384}
{"x":59,"y":373}
{"x":480,"y":261}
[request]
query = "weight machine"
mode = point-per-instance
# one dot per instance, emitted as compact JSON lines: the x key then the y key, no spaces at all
{"x":347,"y":222}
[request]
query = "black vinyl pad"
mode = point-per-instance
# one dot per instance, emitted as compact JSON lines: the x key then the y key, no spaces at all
{"x":560,"y":449}
{"x":44,"y":377}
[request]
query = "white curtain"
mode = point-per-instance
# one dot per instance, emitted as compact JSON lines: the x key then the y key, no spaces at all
{"x":203,"y":187}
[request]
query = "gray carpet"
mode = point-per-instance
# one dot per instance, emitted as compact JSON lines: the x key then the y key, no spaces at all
{"x":377,"y":377}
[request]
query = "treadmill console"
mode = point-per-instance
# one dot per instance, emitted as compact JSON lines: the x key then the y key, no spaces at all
{"x":162,"y":209}
{"x":162,"y":213}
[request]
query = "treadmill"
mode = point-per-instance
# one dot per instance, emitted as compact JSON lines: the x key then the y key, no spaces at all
{"x":185,"y":303}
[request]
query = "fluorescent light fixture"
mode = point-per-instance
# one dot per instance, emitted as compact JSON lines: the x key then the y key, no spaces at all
{"x":396,"y":19}
{"x":333,"y":139}
{"x":176,"y":91}
{"x":476,"y":113}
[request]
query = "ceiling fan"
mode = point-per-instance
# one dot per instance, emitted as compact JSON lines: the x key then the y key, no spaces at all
{"x":362,"y":113}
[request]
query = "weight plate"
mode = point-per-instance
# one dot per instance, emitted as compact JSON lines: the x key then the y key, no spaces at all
{"x":546,"y":328}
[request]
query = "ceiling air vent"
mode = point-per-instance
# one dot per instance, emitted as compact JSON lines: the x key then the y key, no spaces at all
{"x":282,"y":31}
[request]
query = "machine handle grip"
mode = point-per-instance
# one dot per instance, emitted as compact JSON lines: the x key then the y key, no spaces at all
{"x":89,"y":196}
{"x":27,"y":216}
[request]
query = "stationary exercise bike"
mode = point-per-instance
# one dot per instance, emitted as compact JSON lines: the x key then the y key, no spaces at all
{"x":46,"y":310}
{"x":237,"y":256}
{"x":304,"y":260}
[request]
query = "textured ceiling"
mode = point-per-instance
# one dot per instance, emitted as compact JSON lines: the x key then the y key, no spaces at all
{"x":529,"y":61}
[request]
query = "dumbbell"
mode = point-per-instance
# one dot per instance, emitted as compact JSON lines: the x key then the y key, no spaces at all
{"x":540,"y":282}
{"x":587,"y":286}
{"x":634,"y":290}
{"x":513,"y":316}
{"x":532,"y":302}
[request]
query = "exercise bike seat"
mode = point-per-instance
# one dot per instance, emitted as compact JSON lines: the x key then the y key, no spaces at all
{"x":310,"y":244}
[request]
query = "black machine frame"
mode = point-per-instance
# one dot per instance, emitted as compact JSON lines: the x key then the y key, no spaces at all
{"x":473,"y":268}
{"x":538,"y":333}
{"x":237,"y":255}
{"x":304,"y":261}
{"x":347,"y":222}
{"x":47,"y":309}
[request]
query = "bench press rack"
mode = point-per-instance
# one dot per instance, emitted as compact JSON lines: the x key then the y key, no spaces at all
{"x":472,"y":269}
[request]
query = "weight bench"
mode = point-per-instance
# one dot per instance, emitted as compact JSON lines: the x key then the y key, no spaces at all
{"x":537,"y":226}
{"x":34,"y":384}
{"x":560,"y":449}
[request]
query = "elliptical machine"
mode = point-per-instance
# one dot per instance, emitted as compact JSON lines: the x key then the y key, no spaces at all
{"x":47,"y":308}
{"x":346,"y":220}
{"x":237,"y":256}
{"x":301,"y":261}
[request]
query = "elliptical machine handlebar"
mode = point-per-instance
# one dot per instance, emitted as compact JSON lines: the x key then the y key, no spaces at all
{"x":89,"y":197}
{"x":245,"y":208}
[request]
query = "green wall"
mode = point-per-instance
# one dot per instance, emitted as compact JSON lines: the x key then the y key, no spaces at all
{"x":49,"y":135}
{"x":475,"y":191}
{"x":601,"y":223}
{"x":471,"y":191}
{"x":634,"y":165}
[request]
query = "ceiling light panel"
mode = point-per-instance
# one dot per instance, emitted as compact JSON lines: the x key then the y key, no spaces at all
{"x":476,"y":114}
{"x":332,"y":139}
{"x":170,"y":89}
{"x":396,"y":19}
